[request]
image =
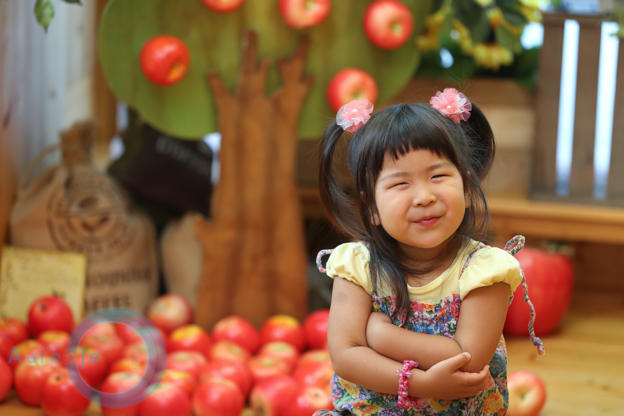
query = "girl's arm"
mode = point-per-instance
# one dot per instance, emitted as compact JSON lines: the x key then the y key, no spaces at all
{"x":354,"y":361}
{"x":479,"y":329}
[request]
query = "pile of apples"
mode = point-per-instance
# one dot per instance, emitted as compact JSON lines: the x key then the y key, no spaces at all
{"x":236,"y":369}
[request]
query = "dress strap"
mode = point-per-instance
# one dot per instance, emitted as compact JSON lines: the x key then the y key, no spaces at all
{"x":319,"y":256}
{"x":513,"y":246}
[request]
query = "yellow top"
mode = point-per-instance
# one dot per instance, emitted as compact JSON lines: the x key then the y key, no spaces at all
{"x":487,"y":266}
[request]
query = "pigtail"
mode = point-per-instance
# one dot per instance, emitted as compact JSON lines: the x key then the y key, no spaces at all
{"x":337,"y":204}
{"x":479,"y":132}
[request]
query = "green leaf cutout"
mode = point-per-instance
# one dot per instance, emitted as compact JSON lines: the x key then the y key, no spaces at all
{"x":44,"y":12}
{"x":186,"y":109}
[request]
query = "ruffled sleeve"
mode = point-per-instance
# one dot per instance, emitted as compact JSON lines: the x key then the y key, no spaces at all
{"x":350,"y":261}
{"x":490,"y":265}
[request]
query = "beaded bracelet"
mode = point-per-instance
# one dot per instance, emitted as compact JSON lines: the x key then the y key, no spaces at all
{"x":404,"y":375}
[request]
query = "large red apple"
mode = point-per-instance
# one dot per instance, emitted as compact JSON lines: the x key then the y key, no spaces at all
{"x":388,"y":23}
{"x":6,"y":379}
{"x":29,"y":350}
{"x":14,"y":328}
{"x":239,"y":331}
{"x":90,"y":364}
{"x":190,"y":338}
{"x":54,"y":342}
{"x":127,"y":365}
{"x":218,"y":397}
{"x":527,"y":393}
{"x":59,"y":396}
{"x":283,"y":328}
{"x":164,"y":60}
{"x":111,"y":347}
{"x":170,"y":311}
{"x":223,"y":6}
{"x":351,"y":84}
{"x":308,"y":400}
{"x":229,"y":370}
{"x":302,"y":14}
{"x":271,"y":396}
{"x":312,"y":357}
{"x":166,"y":400}
{"x":550,"y":278}
{"x":315,"y":328}
{"x":316,"y":375}
{"x":49,"y":313}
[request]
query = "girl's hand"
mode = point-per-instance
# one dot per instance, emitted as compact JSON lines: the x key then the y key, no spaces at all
{"x":445,"y":381}
{"x":375,"y":324}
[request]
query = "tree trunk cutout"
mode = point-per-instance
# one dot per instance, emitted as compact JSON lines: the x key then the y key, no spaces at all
{"x":254,"y":261}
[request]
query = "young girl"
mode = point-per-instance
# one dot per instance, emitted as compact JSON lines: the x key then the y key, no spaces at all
{"x":419,"y":212}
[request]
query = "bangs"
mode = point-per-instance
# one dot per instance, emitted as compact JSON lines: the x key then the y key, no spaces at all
{"x":403,"y":128}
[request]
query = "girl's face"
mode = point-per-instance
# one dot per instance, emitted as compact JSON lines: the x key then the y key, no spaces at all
{"x":421,"y":201}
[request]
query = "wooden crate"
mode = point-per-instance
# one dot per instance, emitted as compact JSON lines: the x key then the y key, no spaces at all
{"x":580,"y":184}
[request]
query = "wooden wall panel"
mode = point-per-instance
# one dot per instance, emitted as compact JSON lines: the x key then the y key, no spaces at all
{"x":615,"y":187}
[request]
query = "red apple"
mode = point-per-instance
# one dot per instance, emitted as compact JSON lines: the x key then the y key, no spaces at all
{"x":166,"y":400}
{"x":182,"y":379}
{"x":117,"y":383}
{"x":239,"y":331}
{"x":59,"y":396}
{"x":105,"y":328}
{"x":218,"y":397}
{"x":351,"y":84}
{"x":316,"y":375}
{"x":388,"y":23}
{"x":127,"y":333}
{"x":90,"y":363}
{"x":302,"y":14}
{"x":223,"y":6}
{"x":190,"y":361}
{"x":190,"y":338}
{"x":283,"y":328}
{"x":136,"y":352}
{"x":49,"y":313}
{"x":527,"y":393}
{"x":127,"y":365}
{"x":308,"y":400}
{"x":164,"y":60}
{"x":170,"y":312}
{"x":6,"y":379}
{"x":282,"y":351}
{"x":313,"y":356}
{"x":111,"y":347}
{"x":29,"y":379}
{"x":550,"y":278}
{"x":6,"y":346}
{"x":54,"y":342}
{"x":315,"y":328}
{"x":229,"y":370}
{"x":228,"y":351}
{"x":271,"y":396}
{"x":14,"y":328}
{"x":265,"y":367}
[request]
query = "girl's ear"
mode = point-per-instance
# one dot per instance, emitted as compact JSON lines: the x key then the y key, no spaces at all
{"x":467,"y":196}
{"x":375,"y":219}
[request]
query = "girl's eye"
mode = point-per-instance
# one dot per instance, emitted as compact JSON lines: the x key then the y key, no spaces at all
{"x":399,"y":184}
{"x":439,"y":176}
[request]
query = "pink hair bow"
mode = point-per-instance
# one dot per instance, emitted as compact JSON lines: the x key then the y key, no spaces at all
{"x":453,"y":104}
{"x":354,"y":115}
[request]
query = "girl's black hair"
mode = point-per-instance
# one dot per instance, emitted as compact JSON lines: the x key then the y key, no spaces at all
{"x":393,"y":132}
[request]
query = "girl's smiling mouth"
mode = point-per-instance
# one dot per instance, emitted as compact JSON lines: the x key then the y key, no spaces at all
{"x":427,"y":221}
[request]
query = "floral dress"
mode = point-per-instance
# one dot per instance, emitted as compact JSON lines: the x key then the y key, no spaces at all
{"x":437,"y":318}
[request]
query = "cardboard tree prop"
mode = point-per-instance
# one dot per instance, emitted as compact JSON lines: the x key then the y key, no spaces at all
{"x":255,"y":260}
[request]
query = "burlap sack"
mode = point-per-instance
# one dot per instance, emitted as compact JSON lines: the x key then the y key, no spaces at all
{"x":74,"y":207}
{"x":182,"y":257}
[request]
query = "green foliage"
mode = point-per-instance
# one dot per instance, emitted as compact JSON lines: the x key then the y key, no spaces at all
{"x":186,"y":109}
{"x":44,"y":11}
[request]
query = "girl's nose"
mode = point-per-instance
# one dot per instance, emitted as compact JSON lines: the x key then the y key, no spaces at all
{"x":423,"y":196}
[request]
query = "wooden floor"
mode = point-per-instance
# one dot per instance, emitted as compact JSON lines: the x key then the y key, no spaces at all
{"x":583,"y":368}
